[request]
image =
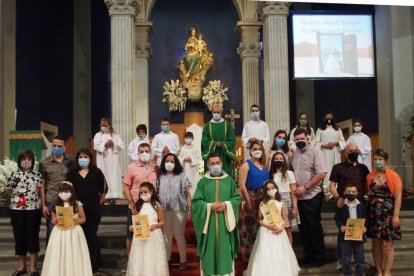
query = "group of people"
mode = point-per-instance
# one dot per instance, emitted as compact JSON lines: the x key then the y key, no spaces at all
{"x":293,"y":173}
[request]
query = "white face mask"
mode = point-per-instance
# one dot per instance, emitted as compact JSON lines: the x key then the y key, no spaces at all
{"x":255,"y":115}
{"x":104,"y":129}
{"x":357,"y":129}
{"x":145,"y":197}
{"x":188,"y":141}
{"x":169,"y":166}
{"x":272,"y":193}
{"x":26,"y":164}
{"x":144,"y":157}
{"x":65,"y":196}
{"x":216,"y":116}
{"x":256,"y":154}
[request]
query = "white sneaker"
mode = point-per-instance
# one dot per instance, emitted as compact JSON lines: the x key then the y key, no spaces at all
{"x":338,"y":265}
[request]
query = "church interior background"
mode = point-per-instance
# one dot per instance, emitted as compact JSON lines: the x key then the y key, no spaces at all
{"x":58,"y":67}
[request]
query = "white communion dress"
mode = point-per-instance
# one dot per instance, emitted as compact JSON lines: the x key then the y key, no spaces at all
{"x":148,"y":257}
{"x":272,"y":254}
{"x":67,"y":253}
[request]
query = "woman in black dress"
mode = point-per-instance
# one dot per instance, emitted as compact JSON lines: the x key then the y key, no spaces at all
{"x":90,"y":185}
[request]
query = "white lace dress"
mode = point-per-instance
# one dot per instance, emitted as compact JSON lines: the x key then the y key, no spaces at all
{"x":148,"y":257}
{"x":67,"y":253}
{"x":272,"y":253}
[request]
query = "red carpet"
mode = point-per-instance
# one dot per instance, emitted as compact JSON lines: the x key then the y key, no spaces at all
{"x":193,"y":262}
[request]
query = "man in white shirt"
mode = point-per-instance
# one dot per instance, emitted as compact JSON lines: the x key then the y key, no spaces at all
{"x":164,"y":142}
{"x":134,"y":144}
{"x":255,"y":130}
{"x":363,"y":142}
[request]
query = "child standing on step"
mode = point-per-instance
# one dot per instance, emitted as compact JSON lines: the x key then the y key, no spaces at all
{"x":352,"y":209}
{"x":272,"y":252}
{"x":148,"y":256}
{"x":67,"y":251}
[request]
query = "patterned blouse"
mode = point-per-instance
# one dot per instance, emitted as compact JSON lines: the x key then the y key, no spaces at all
{"x":172,"y":192}
{"x":24,"y":187}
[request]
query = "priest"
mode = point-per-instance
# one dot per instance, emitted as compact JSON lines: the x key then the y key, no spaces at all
{"x":255,"y":130}
{"x":218,"y":137}
{"x":215,"y":213}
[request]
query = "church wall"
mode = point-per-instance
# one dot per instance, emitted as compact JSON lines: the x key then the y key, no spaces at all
{"x":44,"y":64}
{"x":217,"y":20}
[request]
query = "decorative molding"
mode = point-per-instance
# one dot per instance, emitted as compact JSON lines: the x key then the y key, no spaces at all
{"x":273,"y":8}
{"x":122,"y":7}
{"x":248,"y":49}
{"x":143,"y":50}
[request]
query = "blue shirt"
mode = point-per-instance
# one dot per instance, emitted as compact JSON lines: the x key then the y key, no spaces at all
{"x":256,"y":177}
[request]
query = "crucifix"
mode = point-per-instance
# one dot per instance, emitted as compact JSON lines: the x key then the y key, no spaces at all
{"x":232,"y":116}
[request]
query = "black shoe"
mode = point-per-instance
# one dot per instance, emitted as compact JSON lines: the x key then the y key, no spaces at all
{"x":19,"y":273}
{"x":319,"y":262}
{"x":306,"y":262}
{"x":36,"y":273}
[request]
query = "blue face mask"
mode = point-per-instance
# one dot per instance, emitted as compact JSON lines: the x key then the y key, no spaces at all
{"x":215,"y":170}
{"x":165,"y":128}
{"x":57,"y":151}
{"x":83,"y":162}
{"x":280,"y":142}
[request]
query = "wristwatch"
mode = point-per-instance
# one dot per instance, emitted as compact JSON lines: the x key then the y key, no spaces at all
{"x":306,"y":187}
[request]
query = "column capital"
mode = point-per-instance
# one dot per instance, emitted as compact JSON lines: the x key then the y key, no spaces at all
{"x":248,"y":49}
{"x":143,"y":49}
{"x":273,"y":8}
{"x":122,"y":7}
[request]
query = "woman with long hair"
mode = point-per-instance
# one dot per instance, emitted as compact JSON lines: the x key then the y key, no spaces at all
{"x":90,"y":186}
{"x":302,"y":122}
{"x":330,"y":140}
{"x":280,"y":144}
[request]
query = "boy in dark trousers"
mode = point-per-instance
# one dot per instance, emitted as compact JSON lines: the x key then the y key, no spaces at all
{"x":353,"y":209}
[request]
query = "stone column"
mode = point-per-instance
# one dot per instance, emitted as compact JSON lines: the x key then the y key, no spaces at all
{"x":82,"y":72}
{"x":7,"y":73}
{"x":122,"y":14}
{"x":275,"y":58}
{"x":142,"y":51}
{"x":248,"y":50}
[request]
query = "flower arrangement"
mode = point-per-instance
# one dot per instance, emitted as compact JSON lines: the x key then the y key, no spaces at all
{"x":6,"y":168}
{"x":214,"y":93}
{"x":174,"y":95}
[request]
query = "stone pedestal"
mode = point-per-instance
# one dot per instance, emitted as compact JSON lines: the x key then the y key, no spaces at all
{"x":122,"y":14}
{"x":275,"y":58}
{"x":248,"y":50}
{"x":142,"y":52}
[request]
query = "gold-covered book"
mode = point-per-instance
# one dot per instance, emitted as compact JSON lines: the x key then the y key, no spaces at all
{"x":65,"y":217}
{"x":141,"y":226}
{"x":354,"y":229}
{"x":270,"y":214}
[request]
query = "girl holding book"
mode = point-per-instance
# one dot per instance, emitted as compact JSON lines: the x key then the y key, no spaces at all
{"x":148,"y":257}
{"x":272,"y":253}
{"x":67,"y":252}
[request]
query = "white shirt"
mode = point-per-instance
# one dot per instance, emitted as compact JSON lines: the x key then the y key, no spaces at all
{"x":284,"y":184}
{"x":364,"y":144}
{"x":161,"y":140}
{"x":255,"y":129}
{"x":133,"y":147}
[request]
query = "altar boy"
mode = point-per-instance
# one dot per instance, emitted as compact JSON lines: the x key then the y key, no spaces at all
{"x":190,"y":158}
{"x":352,"y":209}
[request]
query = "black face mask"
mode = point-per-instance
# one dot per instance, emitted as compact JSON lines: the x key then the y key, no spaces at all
{"x":353,"y":156}
{"x":300,"y":144}
{"x":278,"y":164}
{"x":350,"y":197}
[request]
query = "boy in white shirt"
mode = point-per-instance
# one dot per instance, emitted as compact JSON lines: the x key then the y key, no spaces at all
{"x":134,"y":144}
{"x":190,"y":158}
{"x":164,"y":142}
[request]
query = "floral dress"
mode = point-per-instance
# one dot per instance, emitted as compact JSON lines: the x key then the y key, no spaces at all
{"x":380,"y":213}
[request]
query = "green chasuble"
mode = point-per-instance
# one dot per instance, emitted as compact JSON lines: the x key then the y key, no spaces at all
{"x":219,"y":132}
{"x":217,"y":233}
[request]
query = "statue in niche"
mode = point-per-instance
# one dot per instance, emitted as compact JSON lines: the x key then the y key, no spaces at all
{"x":195,"y":65}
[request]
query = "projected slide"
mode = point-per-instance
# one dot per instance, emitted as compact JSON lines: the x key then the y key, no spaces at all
{"x":333,"y":46}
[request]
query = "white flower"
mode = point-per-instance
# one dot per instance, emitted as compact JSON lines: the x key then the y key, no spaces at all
{"x":174,"y":95}
{"x":214,"y":93}
{"x":6,"y":170}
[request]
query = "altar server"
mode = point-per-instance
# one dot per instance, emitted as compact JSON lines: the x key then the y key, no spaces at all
{"x":165,"y":142}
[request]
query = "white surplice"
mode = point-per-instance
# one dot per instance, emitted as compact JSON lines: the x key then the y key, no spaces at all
{"x":333,"y":155}
{"x":191,"y":169}
{"x":133,"y":147}
{"x":107,"y":159}
{"x":364,"y":144}
{"x":161,"y":140}
{"x":255,"y":129}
